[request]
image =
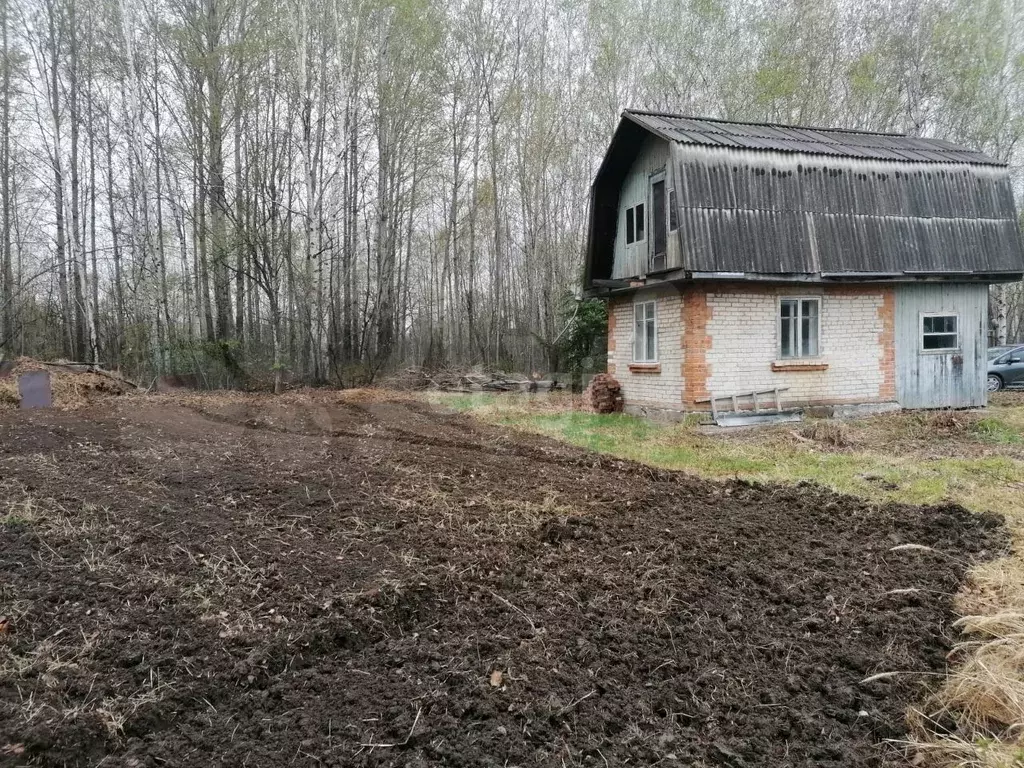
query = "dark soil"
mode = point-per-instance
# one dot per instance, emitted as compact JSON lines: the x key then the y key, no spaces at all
{"x":243,"y":581}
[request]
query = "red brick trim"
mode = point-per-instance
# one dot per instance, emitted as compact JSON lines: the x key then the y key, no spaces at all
{"x":696,"y":343}
{"x":645,"y":367}
{"x":887,"y":341}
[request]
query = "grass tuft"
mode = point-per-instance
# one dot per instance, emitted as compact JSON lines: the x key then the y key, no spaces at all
{"x":833,"y":434}
{"x":995,"y":430}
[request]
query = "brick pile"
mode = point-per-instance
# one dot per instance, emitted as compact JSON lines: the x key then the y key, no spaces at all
{"x":603,"y":395}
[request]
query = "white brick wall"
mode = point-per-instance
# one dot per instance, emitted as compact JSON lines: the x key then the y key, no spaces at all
{"x":664,"y":389}
{"x":743,"y":330}
{"x":742,"y":326}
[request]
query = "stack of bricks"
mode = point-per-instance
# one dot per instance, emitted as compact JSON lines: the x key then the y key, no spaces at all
{"x":603,"y":395}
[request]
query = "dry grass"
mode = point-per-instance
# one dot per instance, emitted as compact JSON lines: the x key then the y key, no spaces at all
{"x":834,"y":434}
{"x":986,"y":694}
{"x":983,"y":696}
{"x":952,"y":752}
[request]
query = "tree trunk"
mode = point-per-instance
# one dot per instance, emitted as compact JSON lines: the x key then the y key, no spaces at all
{"x":164,"y":334}
{"x":7,"y":331}
{"x":999,"y":312}
{"x":217,"y":193}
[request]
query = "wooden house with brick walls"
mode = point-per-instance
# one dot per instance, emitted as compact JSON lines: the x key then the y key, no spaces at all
{"x":814,"y":266}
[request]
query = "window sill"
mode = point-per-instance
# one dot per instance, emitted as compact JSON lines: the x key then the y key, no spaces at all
{"x":645,"y":367}
{"x":799,"y":365}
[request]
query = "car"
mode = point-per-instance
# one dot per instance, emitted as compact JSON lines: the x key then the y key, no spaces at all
{"x":1005,"y":367}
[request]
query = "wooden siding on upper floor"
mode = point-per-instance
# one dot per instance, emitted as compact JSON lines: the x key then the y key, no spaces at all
{"x":632,"y":260}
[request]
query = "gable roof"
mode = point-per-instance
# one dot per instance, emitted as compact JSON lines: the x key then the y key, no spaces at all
{"x":833,"y":142}
{"x":786,"y":202}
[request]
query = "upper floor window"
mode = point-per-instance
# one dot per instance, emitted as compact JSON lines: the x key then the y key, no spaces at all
{"x":673,"y":212}
{"x":635,"y":224}
{"x":940,"y":332}
{"x":799,"y":327}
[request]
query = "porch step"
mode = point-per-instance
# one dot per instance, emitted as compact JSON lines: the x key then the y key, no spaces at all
{"x":749,"y":418}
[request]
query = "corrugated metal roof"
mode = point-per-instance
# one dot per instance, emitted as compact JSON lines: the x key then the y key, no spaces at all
{"x":790,"y":138}
{"x":751,"y":211}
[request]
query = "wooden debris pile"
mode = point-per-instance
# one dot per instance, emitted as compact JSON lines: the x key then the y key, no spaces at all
{"x":603,"y":395}
{"x":463,"y":380}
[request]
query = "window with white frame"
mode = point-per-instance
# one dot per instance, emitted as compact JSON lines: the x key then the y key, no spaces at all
{"x":940,"y":332}
{"x":635,"y":224}
{"x":799,"y":327}
{"x":645,"y":332}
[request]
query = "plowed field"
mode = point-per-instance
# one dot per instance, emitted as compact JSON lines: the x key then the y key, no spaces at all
{"x":243,"y":581}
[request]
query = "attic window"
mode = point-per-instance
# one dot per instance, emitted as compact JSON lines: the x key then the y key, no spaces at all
{"x":673,"y":213}
{"x":635,"y":224}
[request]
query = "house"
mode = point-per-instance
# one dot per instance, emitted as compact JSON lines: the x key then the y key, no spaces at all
{"x":839,"y":267}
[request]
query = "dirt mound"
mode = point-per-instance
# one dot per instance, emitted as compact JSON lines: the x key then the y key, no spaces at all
{"x":374,"y":584}
{"x":74,"y":386}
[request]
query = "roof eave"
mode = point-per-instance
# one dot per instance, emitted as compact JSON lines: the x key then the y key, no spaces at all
{"x":629,"y":115}
{"x":607,"y":288}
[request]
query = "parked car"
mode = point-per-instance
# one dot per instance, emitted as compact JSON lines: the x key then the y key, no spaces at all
{"x":1005,"y":367}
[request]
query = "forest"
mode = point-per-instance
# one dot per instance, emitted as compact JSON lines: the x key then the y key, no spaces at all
{"x":322,"y":191}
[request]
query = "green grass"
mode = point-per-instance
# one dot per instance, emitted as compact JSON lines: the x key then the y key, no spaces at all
{"x":876,"y":467}
{"x":995,"y":430}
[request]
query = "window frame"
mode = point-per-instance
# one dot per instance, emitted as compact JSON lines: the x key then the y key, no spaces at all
{"x":1004,"y":359}
{"x":636,"y":240}
{"x":673,"y":211}
{"x":637,"y":304}
{"x":943,"y":350}
{"x":799,"y":328}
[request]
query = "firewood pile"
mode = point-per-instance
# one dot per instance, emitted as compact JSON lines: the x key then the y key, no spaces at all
{"x":466,"y":380}
{"x":603,"y":395}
